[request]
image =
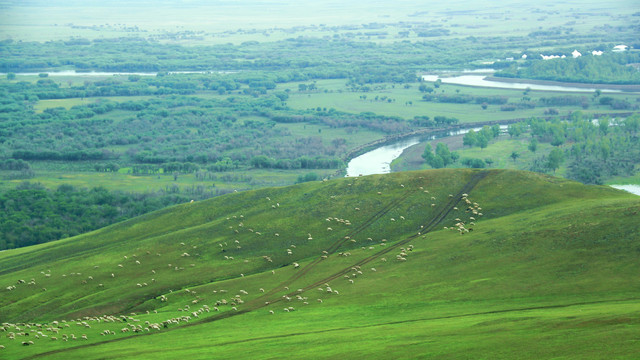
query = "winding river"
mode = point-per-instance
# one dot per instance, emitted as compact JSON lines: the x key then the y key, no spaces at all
{"x":378,"y":160}
{"x":479,"y":80}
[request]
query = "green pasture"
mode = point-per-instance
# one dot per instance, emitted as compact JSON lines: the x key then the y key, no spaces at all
{"x":499,"y":150}
{"x":545,"y":273}
{"x":123,"y":181}
{"x":408,"y":103}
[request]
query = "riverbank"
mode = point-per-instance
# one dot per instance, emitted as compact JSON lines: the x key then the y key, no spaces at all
{"x":482,"y":81}
{"x":629,"y":88}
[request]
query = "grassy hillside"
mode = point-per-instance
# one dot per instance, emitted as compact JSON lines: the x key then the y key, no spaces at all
{"x":548,"y":270}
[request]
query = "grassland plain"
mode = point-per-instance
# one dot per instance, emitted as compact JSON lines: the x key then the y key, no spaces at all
{"x":199,"y":22}
{"x":548,"y":271}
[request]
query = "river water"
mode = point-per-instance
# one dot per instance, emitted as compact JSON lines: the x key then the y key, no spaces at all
{"x":378,"y":161}
{"x":634,"y":189}
{"x":479,"y":80}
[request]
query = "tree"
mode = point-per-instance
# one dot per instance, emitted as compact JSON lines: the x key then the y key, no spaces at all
{"x":482,"y":141}
{"x":533,"y":145}
{"x":283,"y":96}
{"x":261,"y":161}
{"x":484,"y":106}
{"x":514,"y":130}
{"x":428,"y":152}
{"x":632,"y":123}
{"x":495,"y":130}
{"x":425,"y":88}
{"x":442,"y":150}
{"x":11,"y":76}
{"x":469,"y":138}
{"x":555,"y":159}
{"x":435,"y":161}
{"x":514,"y":156}
{"x":603,"y":125}
{"x":437,"y":83}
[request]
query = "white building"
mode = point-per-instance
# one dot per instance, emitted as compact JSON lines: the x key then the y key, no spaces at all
{"x":620,"y":48}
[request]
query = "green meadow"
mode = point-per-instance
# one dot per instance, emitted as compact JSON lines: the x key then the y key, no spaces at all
{"x":545,"y":269}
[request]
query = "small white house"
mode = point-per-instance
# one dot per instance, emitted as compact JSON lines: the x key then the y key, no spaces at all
{"x":597,"y":53}
{"x":620,"y":48}
{"x":576,"y":54}
{"x":549,"y":57}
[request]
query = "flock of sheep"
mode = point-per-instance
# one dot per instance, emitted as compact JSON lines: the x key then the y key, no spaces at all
{"x":220,"y":300}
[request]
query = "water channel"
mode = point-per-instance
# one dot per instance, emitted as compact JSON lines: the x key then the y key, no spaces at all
{"x":479,"y":80}
{"x":634,"y":189}
{"x":378,"y":160}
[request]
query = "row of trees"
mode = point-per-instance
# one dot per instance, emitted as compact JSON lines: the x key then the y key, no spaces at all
{"x":610,"y":68}
{"x":482,"y":137}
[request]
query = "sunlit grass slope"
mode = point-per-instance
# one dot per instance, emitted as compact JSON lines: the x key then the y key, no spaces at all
{"x":386,"y":266}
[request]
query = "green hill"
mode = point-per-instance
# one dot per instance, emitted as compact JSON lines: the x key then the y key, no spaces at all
{"x":385,"y":266}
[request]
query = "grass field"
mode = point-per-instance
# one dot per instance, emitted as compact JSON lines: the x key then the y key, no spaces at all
{"x":547,"y":272}
{"x":333,"y":94}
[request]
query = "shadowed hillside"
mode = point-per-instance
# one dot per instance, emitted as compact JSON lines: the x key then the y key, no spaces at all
{"x":420,"y":264}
